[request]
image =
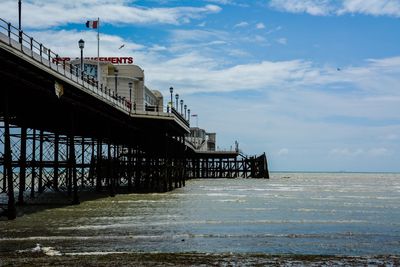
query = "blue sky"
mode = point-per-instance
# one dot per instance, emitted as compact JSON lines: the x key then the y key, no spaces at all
{"x":313,"y":83}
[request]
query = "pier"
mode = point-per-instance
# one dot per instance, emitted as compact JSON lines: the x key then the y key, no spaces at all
{"x":64,"y":131}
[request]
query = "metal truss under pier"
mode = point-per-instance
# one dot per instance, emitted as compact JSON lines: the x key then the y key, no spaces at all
{"x":225,"y":164}
{"x":36,"y":162}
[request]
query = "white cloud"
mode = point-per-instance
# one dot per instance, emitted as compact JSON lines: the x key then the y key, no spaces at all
{"x":340,"y":7}
{"x":196,"y":35}
{"x":36,"y":14}
{"x":241,"y":24}
{"x":312,"y":7}
{"x":276,"y":29}
{"x":221,"y":2}
{"x":158,"y":48}
{"x":238,"y":53}
{"x":260,"y":26}
{"x":229,"y":2}
{"x":371,"y":7}
{"x":66,"y":42}
{"x":193,"y":40}
{"x":204,"y":74}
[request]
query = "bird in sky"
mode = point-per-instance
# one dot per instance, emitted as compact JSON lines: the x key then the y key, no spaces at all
{"x":338,"y":69}
{"x":121,"y":46}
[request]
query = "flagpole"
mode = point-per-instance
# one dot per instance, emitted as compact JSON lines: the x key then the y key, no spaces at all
{"x":98,"y":52}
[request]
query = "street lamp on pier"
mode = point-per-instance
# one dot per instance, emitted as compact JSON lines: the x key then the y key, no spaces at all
{"x":19,"y":22}
{"x":185,"y":107}
{"x":188,"y":119}
{"x":130,"y":92}
{"x":171,"y":90}
{"x":177,"y":98}
{"x":182,"y":107}
{"x":116,"y":82}
{"x":81,"y":46}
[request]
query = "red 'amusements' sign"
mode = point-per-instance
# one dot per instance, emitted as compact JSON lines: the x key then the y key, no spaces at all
{"x":112,"y":60}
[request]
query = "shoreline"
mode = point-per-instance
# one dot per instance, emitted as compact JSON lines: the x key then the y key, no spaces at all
{"x":191,"y":259}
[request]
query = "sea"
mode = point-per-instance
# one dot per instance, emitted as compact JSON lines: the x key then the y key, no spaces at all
{"x":349,"y":214}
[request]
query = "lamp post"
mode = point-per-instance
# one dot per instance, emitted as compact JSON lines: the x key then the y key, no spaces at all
{"x":81,"y":46}
{"x":19,"y":22}
{"x":171,"y":90}
{"x":130,"y":92}
{"x":182,"y":107}
{"x":116,"y":82}
{"x":177,"y":98}
{"x":188,"y":116}
{"x":185,"y":107}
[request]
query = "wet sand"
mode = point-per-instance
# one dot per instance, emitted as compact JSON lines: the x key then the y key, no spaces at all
{"x":192,"y":259}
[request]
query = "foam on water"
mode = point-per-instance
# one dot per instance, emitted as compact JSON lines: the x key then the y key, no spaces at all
{"x":49,"y":251}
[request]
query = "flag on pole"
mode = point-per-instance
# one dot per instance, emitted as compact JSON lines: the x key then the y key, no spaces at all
{"x":92,"y":24}
{"x":95,"y":24}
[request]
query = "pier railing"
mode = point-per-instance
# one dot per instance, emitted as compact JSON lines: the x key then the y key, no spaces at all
{"x":46,"y":57}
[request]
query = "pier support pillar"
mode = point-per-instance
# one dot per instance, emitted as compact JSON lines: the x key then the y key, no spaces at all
{"x":183,"y":162}
{"x":56,"y":160}
{"x":11,"y":210}
{"x":129,"y":167}
{"x":83,"y":162}
{"x":72,"y":158}
{"x":138,"y":167}
{"x":92,"y":163}
{"x":40,"y":182}
{"x":33,"y":175}
{"x":99,"y":165}
{"x":176,"y":171}
{"x":110,"y":171}
{"x":170,"y":170}
{"x":22,"y":166}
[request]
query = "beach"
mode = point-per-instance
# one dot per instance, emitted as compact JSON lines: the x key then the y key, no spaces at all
{"x":191,"y":259}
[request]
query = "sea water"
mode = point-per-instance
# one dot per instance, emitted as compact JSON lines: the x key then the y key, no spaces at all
{"x":295,"y":213}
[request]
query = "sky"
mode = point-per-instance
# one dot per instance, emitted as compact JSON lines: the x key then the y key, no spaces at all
{"x":315,"y":84}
